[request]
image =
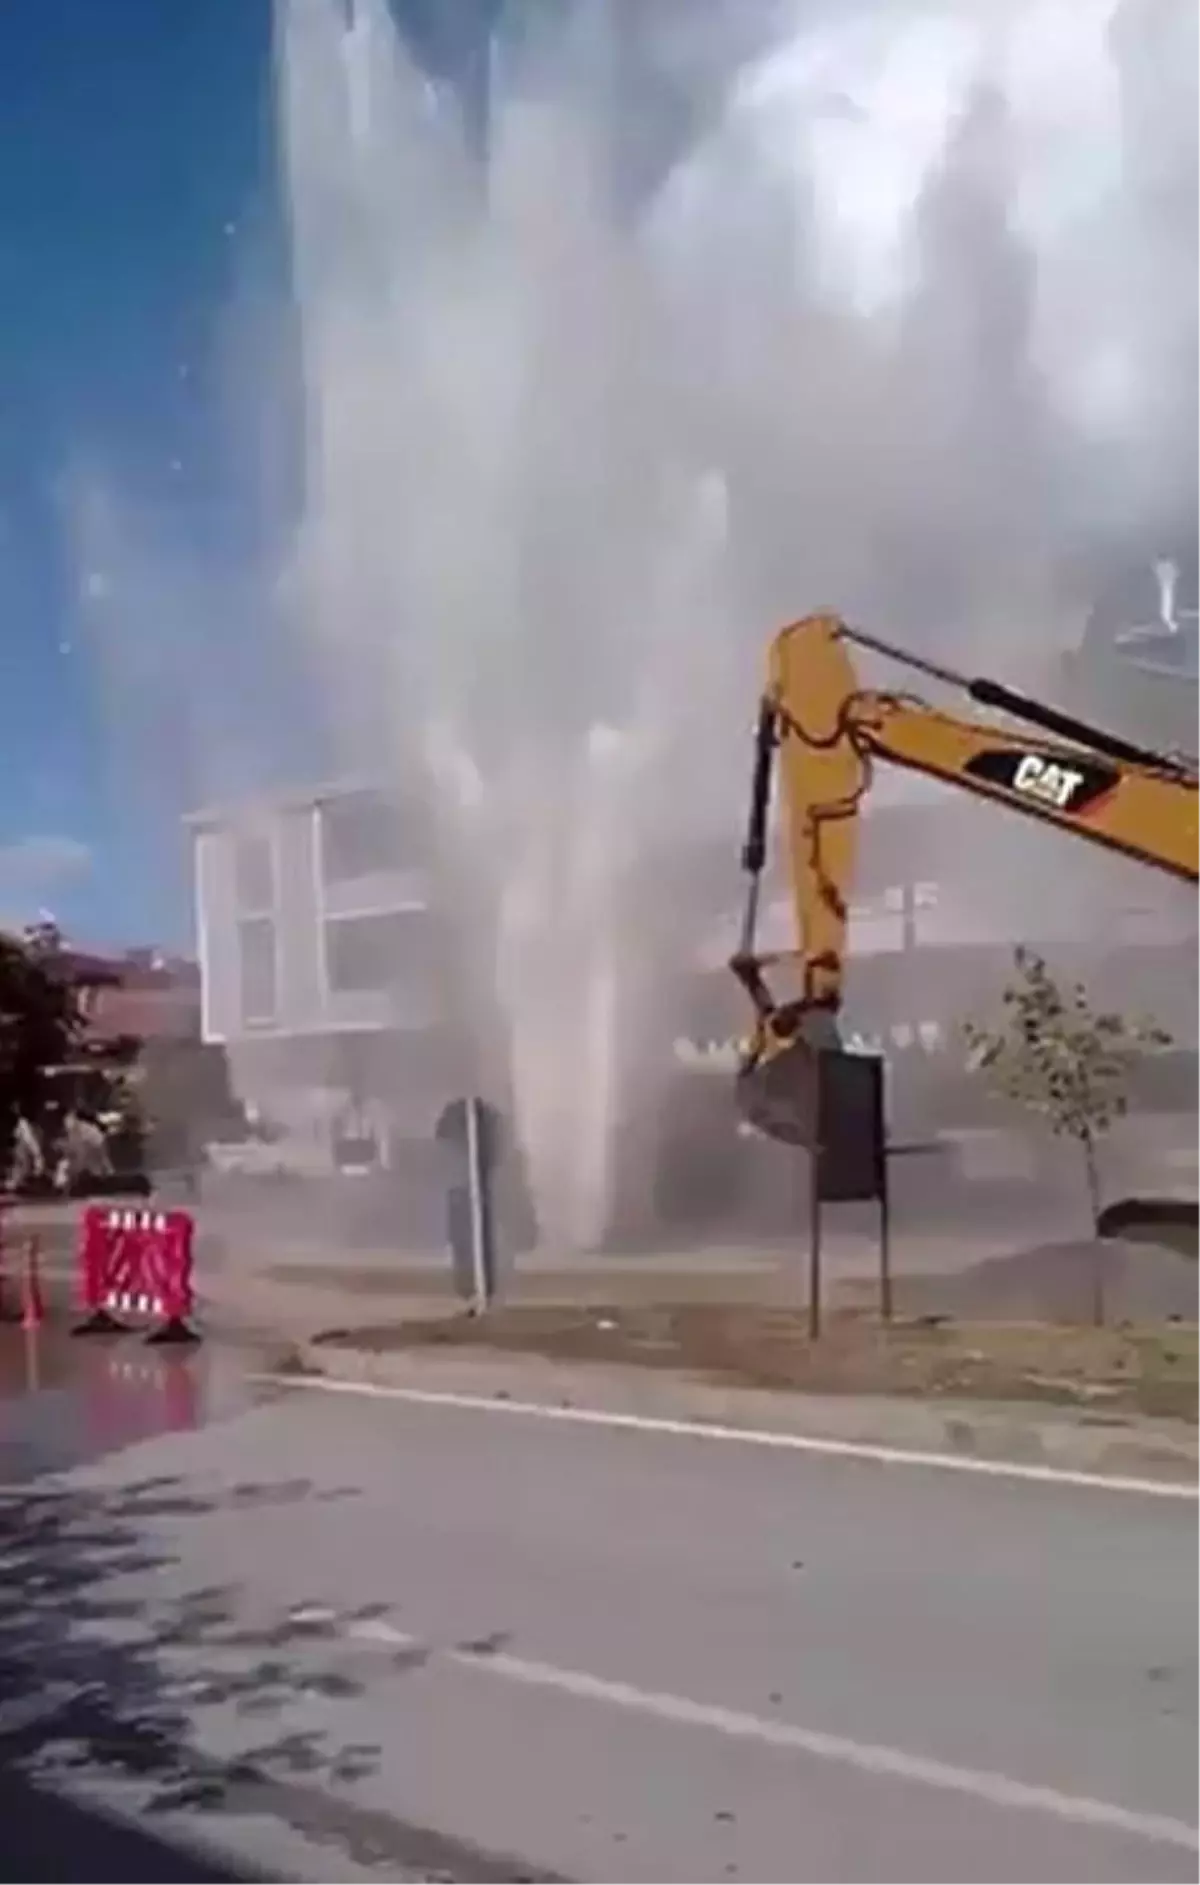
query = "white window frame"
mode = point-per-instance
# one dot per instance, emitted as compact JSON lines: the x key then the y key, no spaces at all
{"x":374,"y":912}
{"x":248,"y":1021}
{"x":343,"y":912}
{"x":265,"y":830}
{"x":265,"y":834}
{"x":319,"y":848}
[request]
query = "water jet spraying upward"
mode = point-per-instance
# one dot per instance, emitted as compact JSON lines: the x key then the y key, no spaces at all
{"x":519,"y":384}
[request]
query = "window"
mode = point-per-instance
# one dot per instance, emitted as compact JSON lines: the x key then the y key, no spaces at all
{"x":371,"y":954}
{"x":366,"y":832}
{"x":254,"y":875}
{"x":256,"y":969}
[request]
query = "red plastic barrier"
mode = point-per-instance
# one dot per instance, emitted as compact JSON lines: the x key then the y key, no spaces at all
{"x":136,"y":1262}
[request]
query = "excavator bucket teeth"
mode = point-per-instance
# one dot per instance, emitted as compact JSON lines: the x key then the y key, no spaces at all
{"x":778,"y":1095}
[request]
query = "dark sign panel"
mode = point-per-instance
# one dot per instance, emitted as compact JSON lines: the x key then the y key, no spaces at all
{"x":851,"y":1152}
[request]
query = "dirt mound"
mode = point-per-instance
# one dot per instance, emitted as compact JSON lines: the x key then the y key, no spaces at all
{"x":1057,"y":1282}
{"x":1172,"y":1223}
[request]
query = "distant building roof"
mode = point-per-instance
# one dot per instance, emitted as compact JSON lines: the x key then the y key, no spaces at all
{"x":241,"y":811}
{"x":166,"y":1013}
{"x":87,"y":970}
{"x":141,"y":992}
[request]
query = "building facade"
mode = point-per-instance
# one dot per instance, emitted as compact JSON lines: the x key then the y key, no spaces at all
{"x":320,"y":940}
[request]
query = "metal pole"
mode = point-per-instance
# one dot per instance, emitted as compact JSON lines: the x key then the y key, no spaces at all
{"x":814,"y":1247}
{"x":885,"y":1253}
{"x":479,"y":1282}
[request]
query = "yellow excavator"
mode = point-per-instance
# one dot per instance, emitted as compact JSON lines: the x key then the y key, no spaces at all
{"x":826,"y":732}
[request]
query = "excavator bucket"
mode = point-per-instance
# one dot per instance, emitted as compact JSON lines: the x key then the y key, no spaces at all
{"x":1173,"y":1222}
{"x":778,"y":1096}
{"x":777,"y":1087}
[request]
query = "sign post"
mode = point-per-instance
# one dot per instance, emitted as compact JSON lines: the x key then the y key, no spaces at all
{"x":471,"y":1128}
{"x":477,"y":1181}
{"x":849,"y":1160}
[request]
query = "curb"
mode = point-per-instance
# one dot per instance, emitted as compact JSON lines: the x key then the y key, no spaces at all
{"x":1017,"y":1433}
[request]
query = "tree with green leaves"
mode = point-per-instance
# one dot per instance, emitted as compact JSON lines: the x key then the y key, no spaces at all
{"x":1066,"y":1061}
{"x":40,"y":1023}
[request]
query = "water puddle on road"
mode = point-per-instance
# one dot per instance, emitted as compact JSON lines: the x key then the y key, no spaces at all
{"x":65,"y":1400}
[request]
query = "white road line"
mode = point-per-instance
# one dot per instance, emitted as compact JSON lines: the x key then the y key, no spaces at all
{"x":788,"y":1737}
{"x":746,"y":1436}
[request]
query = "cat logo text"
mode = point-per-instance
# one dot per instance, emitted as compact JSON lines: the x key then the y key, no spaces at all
{"x":1058,"y":784}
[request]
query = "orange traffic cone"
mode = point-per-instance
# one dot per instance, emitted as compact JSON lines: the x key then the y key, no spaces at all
{"x":33,"y":1307}
{"x":33,"y":1360}
{"x":8,"y":1308}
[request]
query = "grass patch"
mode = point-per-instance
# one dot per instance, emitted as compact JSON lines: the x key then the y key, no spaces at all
{"x":1148,"y":1370}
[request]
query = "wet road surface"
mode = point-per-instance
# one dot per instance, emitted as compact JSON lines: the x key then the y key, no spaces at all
{"x":100,"y":1775}
{"x":63,"y":1403}
{"x":333,"y":1636}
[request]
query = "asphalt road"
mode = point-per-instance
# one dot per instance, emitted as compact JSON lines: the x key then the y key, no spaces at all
{"x":354,"y":1638}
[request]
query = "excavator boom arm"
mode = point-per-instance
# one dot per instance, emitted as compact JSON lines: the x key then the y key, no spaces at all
{"x":827,"y":734}
{"x":1150,"y":816}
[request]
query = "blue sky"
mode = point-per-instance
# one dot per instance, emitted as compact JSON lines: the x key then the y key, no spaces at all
{"x":136,"y":139}
{"x":134,"y":134}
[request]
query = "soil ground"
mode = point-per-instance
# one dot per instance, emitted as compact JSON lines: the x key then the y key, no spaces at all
{"x":1148,"y":1369}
